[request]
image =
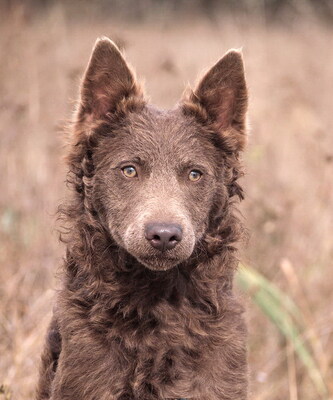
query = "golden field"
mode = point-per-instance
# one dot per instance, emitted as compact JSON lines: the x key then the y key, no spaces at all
{"x":289,"y":168}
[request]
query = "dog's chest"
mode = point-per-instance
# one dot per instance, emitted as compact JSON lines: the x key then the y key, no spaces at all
{"x":167,"y":349}
{"x":173,"y":355}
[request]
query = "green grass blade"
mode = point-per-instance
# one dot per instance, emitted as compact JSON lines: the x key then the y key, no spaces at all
{"x":285,"y":314}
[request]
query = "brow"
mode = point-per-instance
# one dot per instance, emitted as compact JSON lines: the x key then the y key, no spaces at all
{"x":130,"y":160}
{"x":192,"y":164}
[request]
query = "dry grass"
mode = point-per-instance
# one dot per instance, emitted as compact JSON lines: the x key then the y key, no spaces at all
{"x":289,"y":163}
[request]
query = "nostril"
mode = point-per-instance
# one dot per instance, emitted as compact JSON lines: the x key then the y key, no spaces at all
{"x":163,"y":236}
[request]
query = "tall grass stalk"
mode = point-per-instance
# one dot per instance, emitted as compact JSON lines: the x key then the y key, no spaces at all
{"x":287,"y":317}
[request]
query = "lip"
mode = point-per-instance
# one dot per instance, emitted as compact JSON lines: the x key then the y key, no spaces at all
{"x":161,"y":256}
{"x":159,"y":262}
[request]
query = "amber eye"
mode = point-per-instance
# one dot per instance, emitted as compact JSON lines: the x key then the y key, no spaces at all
{"x":194,"y":175}
{"x":129,"y":172}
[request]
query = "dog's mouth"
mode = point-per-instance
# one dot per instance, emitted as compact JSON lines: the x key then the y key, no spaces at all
{"x":160,"y":262}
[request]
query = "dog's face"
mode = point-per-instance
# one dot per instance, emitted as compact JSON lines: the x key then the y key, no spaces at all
{"x":158,"y":174}
{"x":155,"y":181}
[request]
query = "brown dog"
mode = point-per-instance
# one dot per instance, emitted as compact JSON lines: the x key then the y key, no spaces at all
{"x":146,"y":310}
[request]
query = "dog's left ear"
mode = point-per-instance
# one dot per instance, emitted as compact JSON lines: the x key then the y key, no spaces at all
{"x":107,"y":81}
{"x":221,"y":97}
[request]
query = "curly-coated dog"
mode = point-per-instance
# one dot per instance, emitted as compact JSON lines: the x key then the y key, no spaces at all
{"x":146,"y":309}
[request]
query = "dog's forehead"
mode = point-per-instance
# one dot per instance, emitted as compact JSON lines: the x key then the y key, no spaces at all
{"x":161,"y":125}
{"x":168,"y":133}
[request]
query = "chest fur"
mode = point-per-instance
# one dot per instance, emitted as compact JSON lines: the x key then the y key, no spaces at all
{"x":168,"y":349}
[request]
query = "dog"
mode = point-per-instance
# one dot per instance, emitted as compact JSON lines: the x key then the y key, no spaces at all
{"x":146,"y":310}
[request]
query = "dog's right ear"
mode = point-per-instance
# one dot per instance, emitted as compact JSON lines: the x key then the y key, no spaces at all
{"x":106,"y":82}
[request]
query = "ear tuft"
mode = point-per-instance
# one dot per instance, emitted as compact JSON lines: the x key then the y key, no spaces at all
{"x":221,"y":95}
{"x":107,"y":80}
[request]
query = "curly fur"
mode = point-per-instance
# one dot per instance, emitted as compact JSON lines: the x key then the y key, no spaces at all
{"x":123,"y":331}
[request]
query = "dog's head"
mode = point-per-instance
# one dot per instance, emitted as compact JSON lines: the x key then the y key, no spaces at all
{"x":154,"y":177}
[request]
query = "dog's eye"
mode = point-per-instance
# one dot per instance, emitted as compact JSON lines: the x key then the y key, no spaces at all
{"x":130,"y":171}
{"x":194,"y":175}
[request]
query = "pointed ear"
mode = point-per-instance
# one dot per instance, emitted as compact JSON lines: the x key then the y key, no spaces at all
{"x":221,"y":97}
{"x":107,"y":81}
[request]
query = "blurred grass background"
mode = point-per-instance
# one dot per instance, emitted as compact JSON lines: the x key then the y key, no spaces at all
{"x":287,"y":46}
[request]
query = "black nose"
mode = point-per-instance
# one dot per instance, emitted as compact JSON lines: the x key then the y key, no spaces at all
{"x":163,"y":236}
